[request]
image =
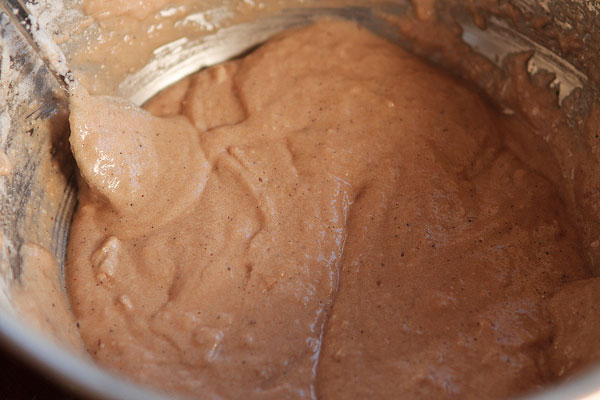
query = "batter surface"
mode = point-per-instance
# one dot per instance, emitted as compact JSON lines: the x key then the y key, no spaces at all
{"x":328,"y":217}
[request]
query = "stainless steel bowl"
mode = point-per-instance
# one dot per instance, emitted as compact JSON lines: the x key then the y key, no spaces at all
{"x":34,"y":128}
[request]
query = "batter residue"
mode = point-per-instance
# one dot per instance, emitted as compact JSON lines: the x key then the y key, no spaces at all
{"x":328,"y":217}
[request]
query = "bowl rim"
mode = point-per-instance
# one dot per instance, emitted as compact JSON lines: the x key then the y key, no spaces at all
{"x":65,"y":368}
{"x":84,"y":377}
{"x":81,"y":375}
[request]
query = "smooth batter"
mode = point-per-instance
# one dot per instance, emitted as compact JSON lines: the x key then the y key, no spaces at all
{"x":328,"y":217}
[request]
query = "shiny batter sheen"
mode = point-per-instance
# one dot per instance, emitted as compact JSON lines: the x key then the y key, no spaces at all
{"x":327,"y":217}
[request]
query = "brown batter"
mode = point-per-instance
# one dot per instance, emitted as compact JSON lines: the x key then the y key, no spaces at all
{"x":328,"y":217}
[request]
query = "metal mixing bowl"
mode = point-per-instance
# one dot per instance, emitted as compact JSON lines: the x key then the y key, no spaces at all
{"x":34,"y":129}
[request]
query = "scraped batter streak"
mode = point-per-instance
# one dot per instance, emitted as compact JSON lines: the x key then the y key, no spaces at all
{"x":328,"y":217}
